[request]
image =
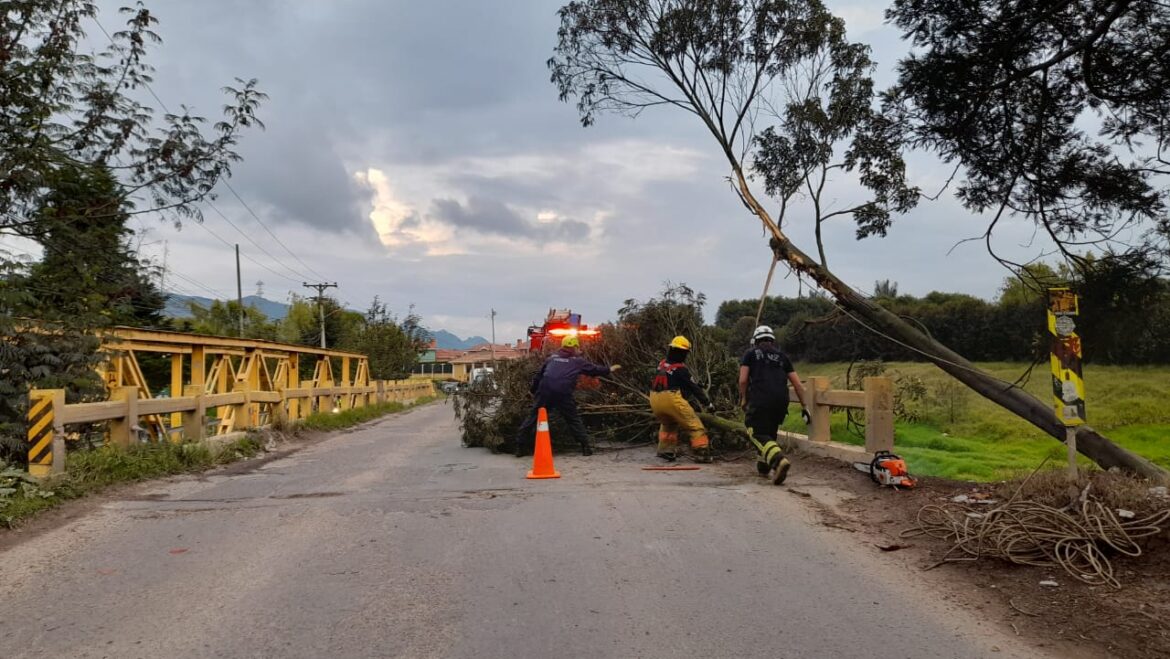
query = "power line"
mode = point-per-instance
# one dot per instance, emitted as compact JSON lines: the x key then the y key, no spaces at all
{"x":258,"y":246}
{"x":248,"y":208}
{"x":244,"y":254}
{"x":251,"y":212}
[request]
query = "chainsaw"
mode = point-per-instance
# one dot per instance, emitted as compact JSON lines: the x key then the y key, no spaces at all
{"x":887,"y":469}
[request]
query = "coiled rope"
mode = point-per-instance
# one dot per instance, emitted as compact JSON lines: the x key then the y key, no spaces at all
{"x":1077,"y":539}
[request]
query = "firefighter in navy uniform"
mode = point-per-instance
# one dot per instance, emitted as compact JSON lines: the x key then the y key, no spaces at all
{"x":672,"y":382}
{"x":764,"y":375}
{"x":553,"y":388}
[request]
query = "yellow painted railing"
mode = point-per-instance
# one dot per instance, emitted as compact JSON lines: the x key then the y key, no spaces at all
{"x":226,"y":383}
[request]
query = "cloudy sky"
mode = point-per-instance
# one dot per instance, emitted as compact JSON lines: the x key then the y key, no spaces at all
{"x":416,"y":150}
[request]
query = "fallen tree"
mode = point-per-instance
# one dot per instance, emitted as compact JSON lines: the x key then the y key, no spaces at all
{"x":734,"y":64}
{"x":616,"y":408}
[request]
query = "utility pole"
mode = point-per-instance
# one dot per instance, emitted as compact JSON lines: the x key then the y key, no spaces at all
{"x":493,"y":337}
{"x":239,"y":291}
{"x":320,"y":288}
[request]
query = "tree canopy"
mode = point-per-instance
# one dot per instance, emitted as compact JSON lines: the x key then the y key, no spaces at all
{"x":724,"y":62}
{"x":62,"y":106}
{"x":1054,"y":110}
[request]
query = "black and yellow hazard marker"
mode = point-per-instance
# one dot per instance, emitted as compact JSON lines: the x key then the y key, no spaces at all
{"x":40,"y":434}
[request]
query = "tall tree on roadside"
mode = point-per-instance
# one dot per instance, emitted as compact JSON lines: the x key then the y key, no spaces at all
{"x":1056,"y":112}
{"x":63,"y":107}
{"x":719,"y":60}
{"x":392,"y":345}
{"x":88,"y":269}
{"x":65,"y":111}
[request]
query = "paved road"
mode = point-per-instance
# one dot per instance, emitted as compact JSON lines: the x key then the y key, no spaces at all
{"x":392,"y":541}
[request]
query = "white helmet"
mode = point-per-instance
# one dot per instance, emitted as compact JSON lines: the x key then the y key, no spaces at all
{"x":763,"y":333}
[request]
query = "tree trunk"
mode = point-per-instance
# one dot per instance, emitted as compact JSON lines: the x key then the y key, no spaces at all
{"x":1012,"y":398}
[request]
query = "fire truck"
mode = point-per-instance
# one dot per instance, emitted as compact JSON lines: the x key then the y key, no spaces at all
{"x":559,"y":324}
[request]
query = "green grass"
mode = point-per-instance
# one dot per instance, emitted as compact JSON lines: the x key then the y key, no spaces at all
{"x":958,"y":434}
{"x":344,"y":419}
{"x":93,"y":470}
{"x":90,"y":471}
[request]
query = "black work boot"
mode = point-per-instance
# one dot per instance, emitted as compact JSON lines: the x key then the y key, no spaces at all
{"x":669,"y":457}
{"x":781,"y":471}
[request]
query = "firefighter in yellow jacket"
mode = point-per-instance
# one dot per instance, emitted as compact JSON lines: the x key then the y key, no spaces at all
{"x":671,"y":384}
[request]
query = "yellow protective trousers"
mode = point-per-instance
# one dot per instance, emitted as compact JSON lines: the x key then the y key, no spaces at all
{"x":674,"y":413}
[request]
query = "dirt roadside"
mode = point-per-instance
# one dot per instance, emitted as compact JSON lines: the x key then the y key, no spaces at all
{"x":1073,"y":618}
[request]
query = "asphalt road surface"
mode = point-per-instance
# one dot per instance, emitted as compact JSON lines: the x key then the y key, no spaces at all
{"x":393,"y":541}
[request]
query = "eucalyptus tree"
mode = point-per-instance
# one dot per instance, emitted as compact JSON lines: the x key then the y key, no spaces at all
{"x":733,"y":65}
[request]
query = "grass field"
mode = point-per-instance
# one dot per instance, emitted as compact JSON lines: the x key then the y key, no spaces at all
{"x":958,"y":434}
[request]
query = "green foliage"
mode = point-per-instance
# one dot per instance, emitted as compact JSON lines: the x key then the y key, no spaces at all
{"x":326,"y":421}
{"x":87,"y":279}
{"x":392,"y":346}
{"x":303,"y":323}
{"x":91,"y":470}
{"x":1125,"y":319}
{"x":80,"y":156}
{"x":986,"y":442}
{"x":62,"y":106}
{"x":223,"y":319}
{"x":739,"y":66}
{"x":89,"y":269}
{"x":616,"y":408}
{"x":1054,"y":110}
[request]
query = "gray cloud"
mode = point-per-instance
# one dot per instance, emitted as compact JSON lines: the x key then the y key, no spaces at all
{"x":408,"y":85}
{"x":492,"y":217}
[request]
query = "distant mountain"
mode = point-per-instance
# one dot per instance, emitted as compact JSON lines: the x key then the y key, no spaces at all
{"x":177,"y":305}
{"x":449,"y":341}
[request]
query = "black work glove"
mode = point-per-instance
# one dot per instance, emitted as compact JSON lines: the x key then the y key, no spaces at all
{"x":805,"y":415}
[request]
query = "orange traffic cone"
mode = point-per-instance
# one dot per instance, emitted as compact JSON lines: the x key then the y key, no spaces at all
{"x":542,"y":460}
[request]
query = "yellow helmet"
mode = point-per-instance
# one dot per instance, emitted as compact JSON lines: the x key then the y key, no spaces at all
{"x":680,"y":342}
{"x":571,"y":341}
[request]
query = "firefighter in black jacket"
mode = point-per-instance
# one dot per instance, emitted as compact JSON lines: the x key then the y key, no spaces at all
{"x":553,"y":387}
{"x":671,"y":382}
{"x":764,"y":375}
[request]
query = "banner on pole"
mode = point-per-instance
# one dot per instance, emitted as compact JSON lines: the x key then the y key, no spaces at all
{"x":1068,"y":387}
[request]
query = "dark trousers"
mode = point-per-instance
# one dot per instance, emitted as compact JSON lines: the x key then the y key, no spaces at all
{"x":765,"y":418}
{"x":566,"y":407}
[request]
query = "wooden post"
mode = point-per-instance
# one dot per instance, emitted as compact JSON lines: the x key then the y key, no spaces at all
{"x":254,"y":362}
{"x":176,"y":391}
{"x":195,"y":421}
{"x":818,"y":430}
{"x":380,"y":392}
{"x":307,"y":403}
{"x":124,"y":431}
{"x":198,"y":366}
{"x":1070,"y":440}
{"x":879,"y":414}
{"x":292,"y":377}
{"x":325,"y":379}
{"x":347,"y":384}
{"x":242,"y":412}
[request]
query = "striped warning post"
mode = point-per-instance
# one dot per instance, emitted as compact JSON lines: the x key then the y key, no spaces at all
{"x":1068,"y":386}
{"x":40,"y":433}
